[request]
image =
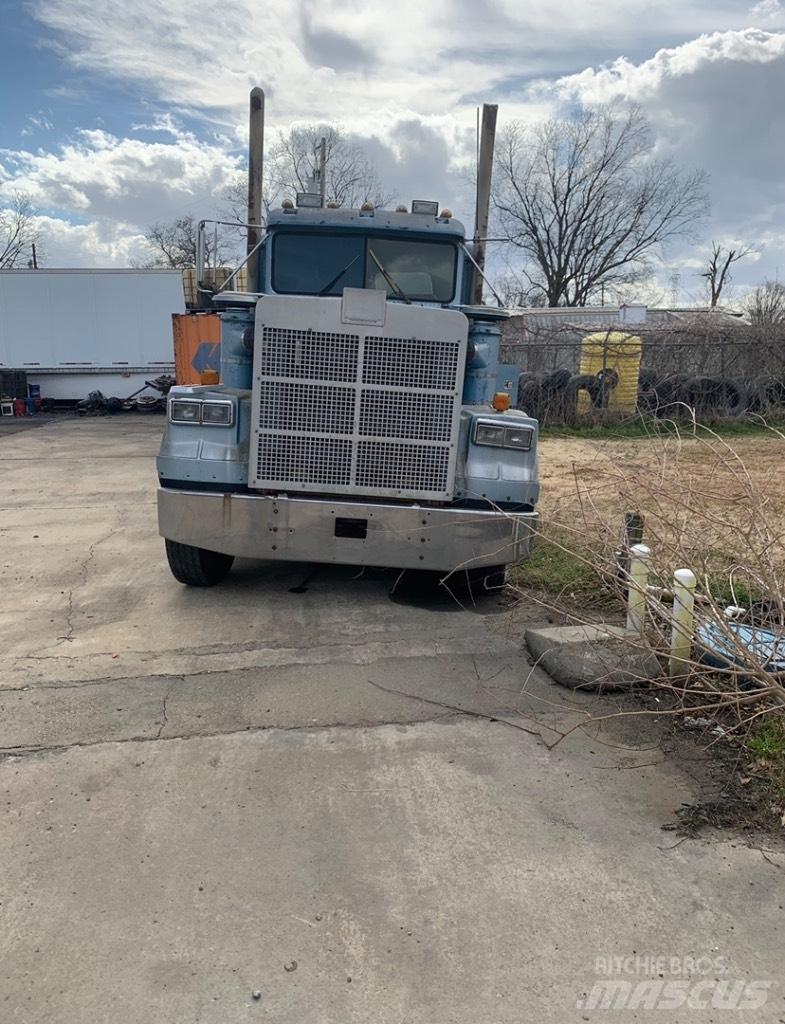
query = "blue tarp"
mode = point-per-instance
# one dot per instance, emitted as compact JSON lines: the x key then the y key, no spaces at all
{"x":753,"y":646}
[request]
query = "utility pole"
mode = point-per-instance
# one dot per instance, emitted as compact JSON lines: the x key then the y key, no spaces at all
{"x":322,"y":167}
{"x":482,"y":208}
{"x":255,"y":178}
{"x":35,"y":258}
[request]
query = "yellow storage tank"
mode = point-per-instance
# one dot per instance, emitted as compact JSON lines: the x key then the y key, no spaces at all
{"x":612,"y":352}
{"x":197,"y":345}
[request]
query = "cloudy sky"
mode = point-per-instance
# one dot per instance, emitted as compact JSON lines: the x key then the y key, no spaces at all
{"x":118,"y":113}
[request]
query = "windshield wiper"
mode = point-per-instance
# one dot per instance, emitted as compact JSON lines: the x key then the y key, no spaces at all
{"x":338,"y":276}
{"x":395,"y":287}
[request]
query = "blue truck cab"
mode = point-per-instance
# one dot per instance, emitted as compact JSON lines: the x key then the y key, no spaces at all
{"x":362,"y":415}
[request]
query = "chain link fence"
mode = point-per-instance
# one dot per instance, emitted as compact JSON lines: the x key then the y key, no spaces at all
{"x":712,"y":368}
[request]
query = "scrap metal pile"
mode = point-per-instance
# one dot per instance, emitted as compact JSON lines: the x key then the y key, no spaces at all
{"x":97,"y":404}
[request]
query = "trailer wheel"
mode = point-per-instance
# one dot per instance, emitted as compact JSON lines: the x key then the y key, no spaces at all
{"x":196,"y":567}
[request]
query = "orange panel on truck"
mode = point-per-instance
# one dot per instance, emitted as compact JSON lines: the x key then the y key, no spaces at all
{"x":197,"y":345}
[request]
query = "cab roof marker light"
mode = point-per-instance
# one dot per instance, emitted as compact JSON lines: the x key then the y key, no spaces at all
{"x":425,"y":206}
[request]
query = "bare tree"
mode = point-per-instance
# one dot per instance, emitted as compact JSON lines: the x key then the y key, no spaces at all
{"x":586,"y":202}
{"x":766,"y":305}
{"x":515,"y":290}
{"x":350,"y":179}
{"x":18,"y":232}
{"x":292,"y":166}
{"x":717,"y":273}
{"x":174,"y":245}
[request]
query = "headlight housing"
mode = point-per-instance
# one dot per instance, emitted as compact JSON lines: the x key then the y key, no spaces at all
{"x":208,"y":412}
{"x":499,"y":435}
{"x":218,"y":414}
{"x":518,"y":437}
{"x":490,"y":434}
{"x":184,"y":411}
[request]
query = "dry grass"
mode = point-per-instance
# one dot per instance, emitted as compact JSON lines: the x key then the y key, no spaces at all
{"x":713,"y":505}
{"x":717,"y":502}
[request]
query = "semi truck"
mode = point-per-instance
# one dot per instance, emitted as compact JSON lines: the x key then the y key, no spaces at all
{"x":362,"y":416}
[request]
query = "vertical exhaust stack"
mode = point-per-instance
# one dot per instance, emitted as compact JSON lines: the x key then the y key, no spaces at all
{"x":481,"y":213}
{"x":255,"y":178}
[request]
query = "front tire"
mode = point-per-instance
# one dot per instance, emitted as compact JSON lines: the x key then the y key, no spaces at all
{"x":196,"y":567}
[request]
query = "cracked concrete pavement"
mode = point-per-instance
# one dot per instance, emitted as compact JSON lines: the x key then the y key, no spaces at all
{"x":201,"y":787}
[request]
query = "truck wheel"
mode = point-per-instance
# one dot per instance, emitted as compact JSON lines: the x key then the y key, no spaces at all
{"x":196,"y":567}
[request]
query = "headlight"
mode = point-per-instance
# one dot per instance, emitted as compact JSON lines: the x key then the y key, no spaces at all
{"x":211,"y":414}
{"x":217,"y":414}
{"x":184,"y":412}
{"x":518,"y":437}
{"x":499,"y":435}
{"x":489,"y":433}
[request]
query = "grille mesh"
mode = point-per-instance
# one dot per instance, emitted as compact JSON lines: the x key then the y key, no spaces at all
{"x":411,"y":467}
{"x":411,"y":362}
{"x":309,"y":355}
{"x":356,"y":414}
{"x":405,"y":414}
{"x":314,"y":408}
{"x":305,"y":460}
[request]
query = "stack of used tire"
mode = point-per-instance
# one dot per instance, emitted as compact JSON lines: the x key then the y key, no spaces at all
{"x":552,"y":398}
{"x":707,"y":396}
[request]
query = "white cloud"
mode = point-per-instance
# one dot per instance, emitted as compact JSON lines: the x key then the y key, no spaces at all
{"x":359,"y":61}
{"x":40,"y":122}
{"x":768,"y":11}
{"x":99,"y":243}
{"x":405,"y":80}
{"x":715,"y":103}
{"x":640,"y":82}
{"x":98,"y":175}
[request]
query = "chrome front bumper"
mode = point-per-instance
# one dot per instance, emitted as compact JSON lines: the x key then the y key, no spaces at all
{"x":315,"y":530}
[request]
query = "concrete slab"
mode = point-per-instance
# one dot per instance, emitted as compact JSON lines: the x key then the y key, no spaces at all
{"x":88,"y":593}
{"x":585,"y":634}
{"x":601,"y":658}
{"x":201,"y":790}
{"x":413,"y":873}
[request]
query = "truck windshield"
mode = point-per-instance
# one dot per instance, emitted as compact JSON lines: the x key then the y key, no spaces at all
{"x":310,"y":263}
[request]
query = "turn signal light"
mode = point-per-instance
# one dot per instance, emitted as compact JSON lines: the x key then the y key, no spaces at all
{"x":501,"y":401}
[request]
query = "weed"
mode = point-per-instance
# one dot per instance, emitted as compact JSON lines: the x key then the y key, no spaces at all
{"x":767,"y":741}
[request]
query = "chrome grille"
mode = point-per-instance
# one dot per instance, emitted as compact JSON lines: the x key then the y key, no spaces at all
{"x":410,"y":363}
{"x":309,"y":355}
{"x":356,"y":413}
{"x":305,"y":460}
{"x":314,"y":408}
{"x":408,"y":467}
{"x":424,"y":417}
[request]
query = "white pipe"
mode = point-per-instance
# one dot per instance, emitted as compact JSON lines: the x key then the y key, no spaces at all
{"x":636,"y":592}
{"x":683,"y":617}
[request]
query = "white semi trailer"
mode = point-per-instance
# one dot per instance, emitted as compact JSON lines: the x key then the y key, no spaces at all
{"x":82,"y":330}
